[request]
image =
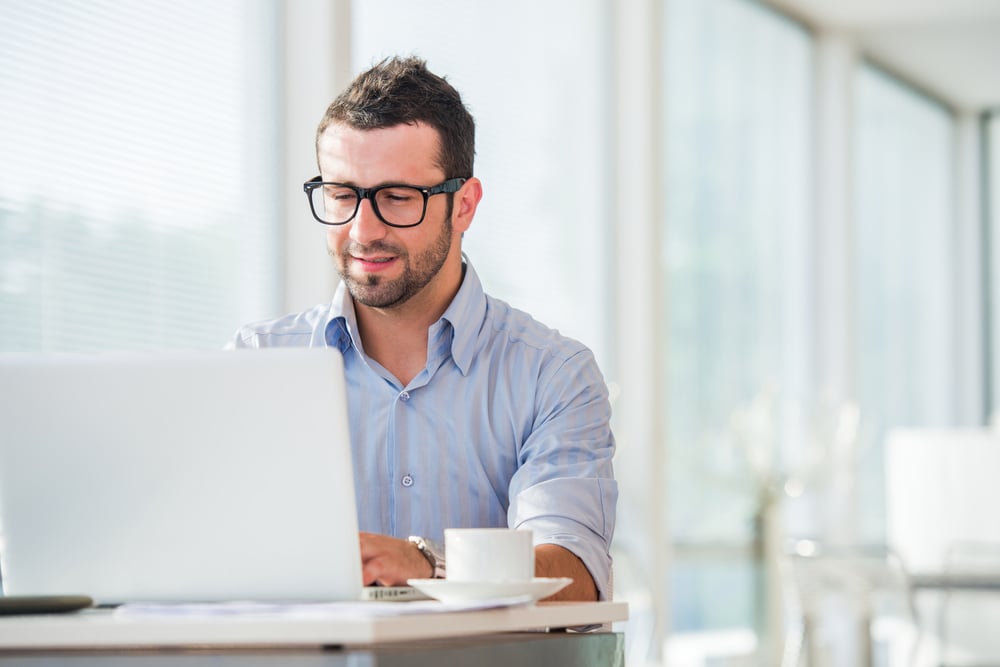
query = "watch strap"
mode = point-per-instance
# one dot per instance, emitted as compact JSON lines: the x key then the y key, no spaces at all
{"x":433,"y":553}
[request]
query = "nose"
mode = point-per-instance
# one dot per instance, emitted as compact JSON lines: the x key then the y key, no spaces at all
{"x":366,"y":226}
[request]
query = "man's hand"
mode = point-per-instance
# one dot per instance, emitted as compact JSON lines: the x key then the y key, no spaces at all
{"x":552,"y":560}
{"x":388,"y":561}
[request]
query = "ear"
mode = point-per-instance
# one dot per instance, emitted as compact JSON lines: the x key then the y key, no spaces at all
{"x":466,"y":203}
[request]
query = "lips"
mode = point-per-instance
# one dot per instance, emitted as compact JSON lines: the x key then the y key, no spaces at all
{"x":373,"y":263}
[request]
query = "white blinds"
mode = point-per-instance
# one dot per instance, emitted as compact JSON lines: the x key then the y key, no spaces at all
{"x":138,"y":172}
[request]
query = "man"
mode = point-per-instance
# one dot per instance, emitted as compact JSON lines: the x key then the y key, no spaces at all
{"x":464,"y":412}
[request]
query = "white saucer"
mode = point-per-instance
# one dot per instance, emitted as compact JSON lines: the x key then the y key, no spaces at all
{"x":479,"y":591}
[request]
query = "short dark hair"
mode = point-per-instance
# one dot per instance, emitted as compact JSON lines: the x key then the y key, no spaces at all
{"x":402,"y":90}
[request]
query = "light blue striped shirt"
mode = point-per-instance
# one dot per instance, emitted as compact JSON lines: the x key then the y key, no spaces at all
{"x":507,"y":425}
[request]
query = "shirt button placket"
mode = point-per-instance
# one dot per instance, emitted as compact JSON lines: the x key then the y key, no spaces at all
{"x":407,"y":479}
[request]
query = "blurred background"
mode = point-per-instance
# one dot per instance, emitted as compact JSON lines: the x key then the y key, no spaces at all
{"x":772,"y":221}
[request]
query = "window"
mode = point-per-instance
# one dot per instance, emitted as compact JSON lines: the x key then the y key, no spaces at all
{"x":736,"y":244}
{"x":539,"y":238}
{"x":138,"y":200}
{"x":905,"y":267}
{"x":992,"y":199}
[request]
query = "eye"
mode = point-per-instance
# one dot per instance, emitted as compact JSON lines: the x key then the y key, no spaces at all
{"x":398,"y":196}
{"x":339,"y":194}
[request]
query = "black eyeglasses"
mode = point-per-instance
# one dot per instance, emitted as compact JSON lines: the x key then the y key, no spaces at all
{"x":397,"y":205}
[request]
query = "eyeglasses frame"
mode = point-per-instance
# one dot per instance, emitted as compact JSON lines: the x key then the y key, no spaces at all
{"x":450,"y":186}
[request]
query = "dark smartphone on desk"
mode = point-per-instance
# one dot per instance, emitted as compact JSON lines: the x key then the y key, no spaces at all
{"x":42,"y":604}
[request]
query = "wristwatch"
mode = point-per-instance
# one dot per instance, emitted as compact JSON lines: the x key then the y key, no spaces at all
{"x":433,"y":553}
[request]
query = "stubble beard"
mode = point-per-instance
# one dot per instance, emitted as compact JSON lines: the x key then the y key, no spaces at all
{"x":376,"y":291}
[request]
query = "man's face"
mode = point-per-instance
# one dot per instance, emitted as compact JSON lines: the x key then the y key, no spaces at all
{"x":385,"y":266}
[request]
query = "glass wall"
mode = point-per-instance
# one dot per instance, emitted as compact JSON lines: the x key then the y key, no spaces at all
{"x":736,"y":257}
{"x":992,"y":224}
{"x":905,"y":253}
{"x":537,"y":88}
{"x":138,"y":201}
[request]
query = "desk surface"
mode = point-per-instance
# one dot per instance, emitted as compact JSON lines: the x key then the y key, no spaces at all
{"x":957,"y":581}
{"x":97,"y":628}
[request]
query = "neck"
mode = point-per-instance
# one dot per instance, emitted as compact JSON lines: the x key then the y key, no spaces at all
{"x":396,"y":337}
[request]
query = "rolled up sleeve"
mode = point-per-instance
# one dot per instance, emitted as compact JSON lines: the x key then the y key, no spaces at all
{"x":564,"y":490}
{"x":572,"y":513}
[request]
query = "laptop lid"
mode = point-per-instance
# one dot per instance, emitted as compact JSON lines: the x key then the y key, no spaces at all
{"x":189,"y":476}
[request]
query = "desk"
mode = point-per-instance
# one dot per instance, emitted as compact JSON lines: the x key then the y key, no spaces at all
{"x":956,"y":581}
{"x":532,"y":649}
{"x":482,"y":638}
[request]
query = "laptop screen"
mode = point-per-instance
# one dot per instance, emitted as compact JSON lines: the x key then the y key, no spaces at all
{"x":189,"y":476}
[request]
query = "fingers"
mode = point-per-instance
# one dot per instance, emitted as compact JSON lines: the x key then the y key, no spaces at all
{"x":388,"y":561}
{"x":378,"y":571}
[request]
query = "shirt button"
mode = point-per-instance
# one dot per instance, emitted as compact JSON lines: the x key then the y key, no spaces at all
{"x":407,"y":481}
{"x":404,"y":396}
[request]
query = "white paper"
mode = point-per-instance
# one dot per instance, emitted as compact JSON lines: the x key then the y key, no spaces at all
{"x":312,"y":609}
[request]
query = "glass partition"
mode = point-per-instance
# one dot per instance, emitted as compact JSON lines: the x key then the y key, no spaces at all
{"x":736,"y":250}
{"x":906,"y":325}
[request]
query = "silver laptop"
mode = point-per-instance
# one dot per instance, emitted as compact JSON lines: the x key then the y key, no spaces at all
{"x":178,"y":476}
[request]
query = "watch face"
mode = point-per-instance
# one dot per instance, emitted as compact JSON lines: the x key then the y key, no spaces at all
{"x":433,"y":553}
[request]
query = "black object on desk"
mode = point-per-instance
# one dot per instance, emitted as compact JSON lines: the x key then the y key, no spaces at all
{"x":42,"y":604}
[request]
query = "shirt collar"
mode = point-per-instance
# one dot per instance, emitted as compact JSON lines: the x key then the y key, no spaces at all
{"x":343,"y":323}
{"x":462,"y":320}
{"x":465,"y":315}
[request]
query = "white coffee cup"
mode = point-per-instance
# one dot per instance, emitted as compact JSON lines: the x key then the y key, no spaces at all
{"x":489,"y":555}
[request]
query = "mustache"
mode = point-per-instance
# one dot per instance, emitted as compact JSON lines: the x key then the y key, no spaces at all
{"x":352,"y":248}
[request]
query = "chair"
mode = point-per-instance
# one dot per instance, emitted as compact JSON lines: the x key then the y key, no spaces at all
{"x":843,"y":599}
{"x":969,"y":616}
{"x":940,"y":487}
